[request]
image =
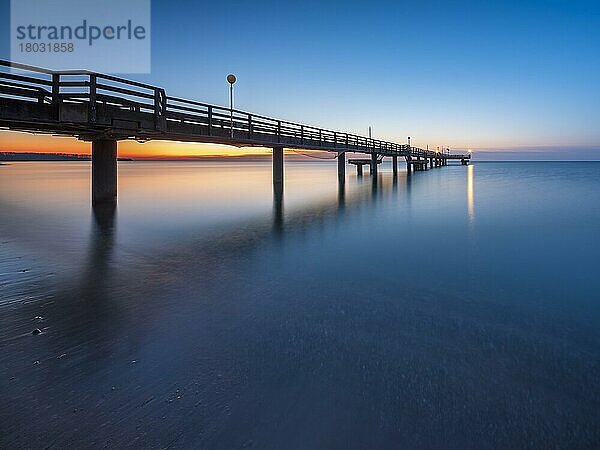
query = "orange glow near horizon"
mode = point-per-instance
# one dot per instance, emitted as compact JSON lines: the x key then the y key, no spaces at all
{"x":11,"y":141}
{"x":21,"y":142}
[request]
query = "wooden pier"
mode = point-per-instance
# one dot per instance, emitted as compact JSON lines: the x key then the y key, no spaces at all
{"x":104,"y":109}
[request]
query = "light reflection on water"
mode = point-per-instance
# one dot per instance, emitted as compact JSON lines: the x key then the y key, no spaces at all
{"x":373,"y":313}
{"x":470,"y":193}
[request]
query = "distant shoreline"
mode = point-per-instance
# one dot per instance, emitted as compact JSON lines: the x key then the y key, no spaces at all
{"x":30,"y":156}
{"x":7,"y":157}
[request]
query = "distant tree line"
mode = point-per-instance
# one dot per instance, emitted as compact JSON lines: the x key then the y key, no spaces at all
{"x":13,"y":156}
{"x":30,"y":156}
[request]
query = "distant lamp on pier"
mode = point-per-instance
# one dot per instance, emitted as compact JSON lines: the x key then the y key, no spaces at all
{"x":231,"y":79}
{"x":409,"y":142}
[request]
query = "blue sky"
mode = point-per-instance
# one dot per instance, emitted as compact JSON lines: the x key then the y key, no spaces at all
{"x":465,"y":74}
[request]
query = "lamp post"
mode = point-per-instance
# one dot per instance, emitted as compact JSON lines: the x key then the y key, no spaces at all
{"x":231,"y":80}
{"x":409,"y":143}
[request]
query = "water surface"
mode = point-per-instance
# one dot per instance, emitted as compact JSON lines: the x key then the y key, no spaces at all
{"x":453,"y":308}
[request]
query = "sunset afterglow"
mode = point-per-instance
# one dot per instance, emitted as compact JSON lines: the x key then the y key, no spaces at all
{"x":41,"y":143}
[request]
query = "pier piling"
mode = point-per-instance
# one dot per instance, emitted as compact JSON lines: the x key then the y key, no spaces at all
{"x":104,"y":171}
{"x":341,"y":167}
{"x":373,"y":163}
{"x":278,"y":166}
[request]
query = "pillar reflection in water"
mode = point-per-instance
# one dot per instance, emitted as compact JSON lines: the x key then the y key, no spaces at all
{"x":96,"y":276}
{"x":278,"y":207}
{"x":101,"y":245}
{"x":374,"y":184}
{"x":341,"y":195}
{"x":470,"y":207}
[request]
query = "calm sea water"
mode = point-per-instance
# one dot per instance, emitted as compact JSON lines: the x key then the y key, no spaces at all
{"x":457,"y":308}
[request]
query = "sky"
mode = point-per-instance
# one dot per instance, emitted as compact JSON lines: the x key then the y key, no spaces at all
{"x":512,"y":77}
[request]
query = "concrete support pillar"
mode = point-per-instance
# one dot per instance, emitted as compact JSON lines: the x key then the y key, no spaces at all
{"x":395,"y":165}
{"x":373,"y":163}
{"x":359,"y":170}
{"x":278,"y":166}
{"x":408,"y":167}
{"x":341,"y":167}
{"x":104,"y":171}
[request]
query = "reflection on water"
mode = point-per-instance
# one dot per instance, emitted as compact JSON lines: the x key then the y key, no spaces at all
{"x":278,"y":207}
{"x":203,"y":313}
{"x":97,"y":270}
{"x":470,"y":202}
{"x":341,"y":194}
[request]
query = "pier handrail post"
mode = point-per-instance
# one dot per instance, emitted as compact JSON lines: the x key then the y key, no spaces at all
{"x":159,"y":109}
{"x":249,"y":126}
{"x":56,"y":93}
{"x":335,"y":139}
{"x":279,"y":131}
{"x":301,"y":134}
{"x":92,"y":105}
{"x":210,"y":117}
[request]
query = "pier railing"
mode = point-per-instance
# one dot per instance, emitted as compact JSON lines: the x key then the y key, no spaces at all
{"x":90,"y":101}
